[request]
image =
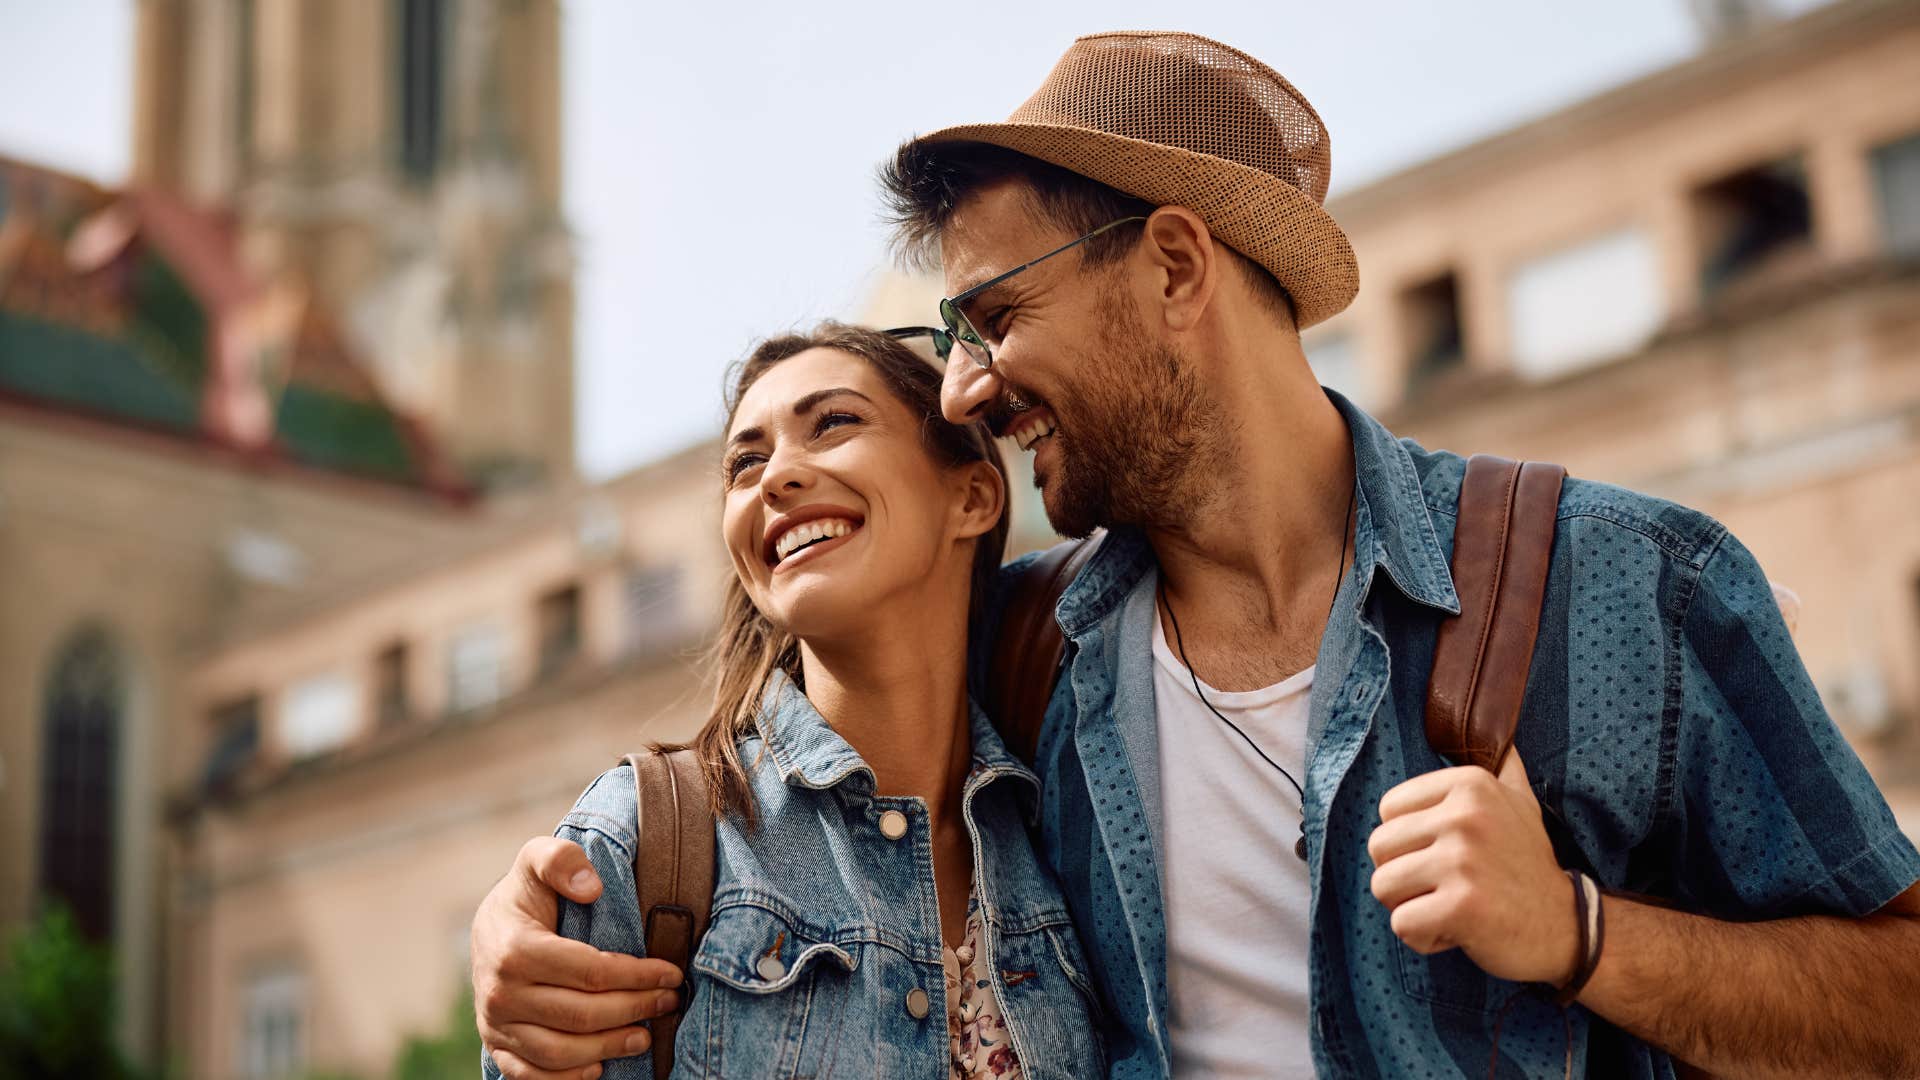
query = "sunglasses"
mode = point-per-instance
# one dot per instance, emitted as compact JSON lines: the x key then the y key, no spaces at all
{"x":960,"y":329}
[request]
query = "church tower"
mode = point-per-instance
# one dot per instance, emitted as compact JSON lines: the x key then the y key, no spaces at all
{"x":402,"y":159}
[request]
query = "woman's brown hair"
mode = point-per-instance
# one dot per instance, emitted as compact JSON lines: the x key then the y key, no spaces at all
{"x":749,"y":648}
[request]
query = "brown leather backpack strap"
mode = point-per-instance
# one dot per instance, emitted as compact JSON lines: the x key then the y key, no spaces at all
{"x":1029,"y":645}
{"x":672,"y":870}
{"x":1502,"y":544}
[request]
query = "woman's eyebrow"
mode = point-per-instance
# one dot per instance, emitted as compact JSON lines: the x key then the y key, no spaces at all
{"x":800,"y":408}
{"x":806,"y":404}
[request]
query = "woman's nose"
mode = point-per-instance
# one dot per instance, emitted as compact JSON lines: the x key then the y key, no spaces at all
{"x":783,"y":476}
{"x":967,"y":389}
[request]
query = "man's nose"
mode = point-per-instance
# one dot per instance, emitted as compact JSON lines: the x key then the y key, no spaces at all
{"x":967,"y":389}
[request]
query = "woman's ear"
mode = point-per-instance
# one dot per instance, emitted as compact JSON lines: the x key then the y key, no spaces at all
{"x":983,"y":497}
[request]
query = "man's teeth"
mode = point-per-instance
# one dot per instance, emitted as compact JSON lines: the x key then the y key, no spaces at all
{"x":1032,"y":432}
{"x":807,"y":532}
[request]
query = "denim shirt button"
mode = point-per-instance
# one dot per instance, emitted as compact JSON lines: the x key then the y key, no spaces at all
{"x":917,"y":1003}
{"x":770,"y":968}
{"x":893,"y":824}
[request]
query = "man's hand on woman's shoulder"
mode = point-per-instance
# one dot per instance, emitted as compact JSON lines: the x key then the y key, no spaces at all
{"x":548,"y":1007}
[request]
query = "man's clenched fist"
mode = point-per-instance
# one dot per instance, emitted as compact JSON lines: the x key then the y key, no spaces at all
{"x":1462,"y":860}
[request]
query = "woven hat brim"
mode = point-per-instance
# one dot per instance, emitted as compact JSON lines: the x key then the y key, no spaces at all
{"x":1257,"y":214}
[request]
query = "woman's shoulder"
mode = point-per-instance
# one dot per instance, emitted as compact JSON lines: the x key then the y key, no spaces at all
{"x":607,"y":810}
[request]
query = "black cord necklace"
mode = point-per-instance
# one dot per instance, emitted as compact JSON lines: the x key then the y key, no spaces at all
{"x":1299,"y":844}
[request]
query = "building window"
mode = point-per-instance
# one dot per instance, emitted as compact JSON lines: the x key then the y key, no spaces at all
{"x":1335,"y":361}
{"x":236,"y":739}
{"x":273,"y":1042}
{"x":559,"y":618}
{"x":391,"y":702}
{"x":318,"y":714}
{"x":423,"y":32}
{"x":656,"y":611}
{"x":84,"y":698}
{"x":1584,"y":303}
{"x":1896,"y":178}
{"x":1430,"y":325}
{"x":1753,"y":226}
{"x":476,"y":667}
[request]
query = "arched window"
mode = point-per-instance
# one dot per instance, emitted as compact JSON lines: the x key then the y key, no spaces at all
{"x":85,"y":699}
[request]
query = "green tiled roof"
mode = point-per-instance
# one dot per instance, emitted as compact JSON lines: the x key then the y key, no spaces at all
{"x":334,"y":432}
{"x":87,"y":371}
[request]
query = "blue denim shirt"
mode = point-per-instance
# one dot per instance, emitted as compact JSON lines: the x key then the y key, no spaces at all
{"x":1668,"y":720}
{"x":851,"y":918}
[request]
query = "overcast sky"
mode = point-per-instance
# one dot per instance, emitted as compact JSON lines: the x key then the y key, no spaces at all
{"x":720,"y":156}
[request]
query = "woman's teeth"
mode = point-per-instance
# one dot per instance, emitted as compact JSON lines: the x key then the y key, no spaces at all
{"x":1032,"y":431}
{"x":807,"y":532}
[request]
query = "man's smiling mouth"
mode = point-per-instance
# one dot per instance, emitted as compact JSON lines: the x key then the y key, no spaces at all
{"x":1029,"y":428}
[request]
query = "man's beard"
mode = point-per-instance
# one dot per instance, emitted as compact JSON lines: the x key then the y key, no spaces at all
{"x":1138,"y":432}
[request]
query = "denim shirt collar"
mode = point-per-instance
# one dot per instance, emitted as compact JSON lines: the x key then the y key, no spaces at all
{"x":1400,"y":539}
{"x":1403,"y":542}
{"x":809,"y":753}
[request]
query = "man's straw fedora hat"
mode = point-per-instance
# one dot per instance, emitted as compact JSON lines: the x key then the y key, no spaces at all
{"x":1178,"y":119}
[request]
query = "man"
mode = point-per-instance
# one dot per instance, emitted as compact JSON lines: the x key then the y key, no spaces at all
{"x":1131,"y":258}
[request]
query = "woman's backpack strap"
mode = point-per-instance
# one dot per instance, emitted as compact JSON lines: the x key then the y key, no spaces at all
{"x":672,"y":871}
{"x":1029,"y":646}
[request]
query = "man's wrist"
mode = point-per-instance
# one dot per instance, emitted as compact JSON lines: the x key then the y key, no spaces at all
{"x":1589,"y":935}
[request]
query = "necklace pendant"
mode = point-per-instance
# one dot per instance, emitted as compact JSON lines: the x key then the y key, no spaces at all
{"x":1300,"y":845}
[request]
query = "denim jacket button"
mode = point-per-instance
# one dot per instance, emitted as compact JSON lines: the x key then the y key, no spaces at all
{"x":917,"y":1003}
{"x":893,"y":824}
{"x":770,"y":968}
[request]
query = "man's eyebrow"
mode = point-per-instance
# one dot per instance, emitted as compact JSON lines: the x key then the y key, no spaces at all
{"x":996,"y":296}
{"x":800,"y":408}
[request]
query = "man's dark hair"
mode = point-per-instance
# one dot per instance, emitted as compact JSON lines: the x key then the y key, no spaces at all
{"x":924,"y":183}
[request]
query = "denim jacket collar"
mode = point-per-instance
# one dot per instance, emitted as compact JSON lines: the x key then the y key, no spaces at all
{"x":808,"y":752}
{"x":1400,"y":539}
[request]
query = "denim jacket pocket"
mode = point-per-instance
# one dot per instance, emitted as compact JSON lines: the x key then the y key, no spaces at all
{"x":768,"y":996}
{"x":1050,"y":1003}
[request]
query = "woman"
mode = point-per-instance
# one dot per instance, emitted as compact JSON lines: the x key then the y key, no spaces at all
{"x":878,"y":910}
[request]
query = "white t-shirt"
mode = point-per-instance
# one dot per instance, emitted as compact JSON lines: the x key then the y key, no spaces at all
{"x":1235,"y":892}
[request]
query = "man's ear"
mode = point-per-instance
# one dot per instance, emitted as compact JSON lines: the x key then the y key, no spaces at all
{"x":1186,"y":265}
{"x":983,"y":498}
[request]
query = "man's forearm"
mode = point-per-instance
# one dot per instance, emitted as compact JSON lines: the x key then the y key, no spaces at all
{"x":1791,"y":997}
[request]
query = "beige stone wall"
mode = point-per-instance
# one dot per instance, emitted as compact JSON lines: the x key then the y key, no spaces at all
{"x":1828,"y":89}
{"x":131,"y":533}
{"x":366,"y":877}
{"x":361,"y":868}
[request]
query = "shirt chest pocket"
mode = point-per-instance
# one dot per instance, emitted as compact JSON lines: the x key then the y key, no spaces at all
{"x":769,"y":995}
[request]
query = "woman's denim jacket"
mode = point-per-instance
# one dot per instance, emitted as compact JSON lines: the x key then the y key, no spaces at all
{"x":848,"y":917}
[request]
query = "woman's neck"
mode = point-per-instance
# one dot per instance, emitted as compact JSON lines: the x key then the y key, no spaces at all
{"x":897,"y":692}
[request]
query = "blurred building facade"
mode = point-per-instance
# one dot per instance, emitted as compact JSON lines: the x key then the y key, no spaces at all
{"x":323,"y":624}
{"x":1704,"y":285}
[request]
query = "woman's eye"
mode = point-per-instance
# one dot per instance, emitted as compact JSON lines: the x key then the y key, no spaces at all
{"x":833,"y":420}
{"x":739,"y":466}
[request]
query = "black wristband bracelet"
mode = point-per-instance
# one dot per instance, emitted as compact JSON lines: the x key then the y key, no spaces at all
{"x":1590,"y":915}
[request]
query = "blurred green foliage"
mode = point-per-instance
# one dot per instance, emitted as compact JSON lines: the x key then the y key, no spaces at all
{"x":56,"y":1005}
{"x":452,"y":1055}
{"x":57,"y":1016}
